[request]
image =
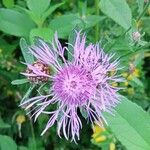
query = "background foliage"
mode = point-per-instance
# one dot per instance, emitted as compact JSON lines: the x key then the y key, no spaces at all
{"x":121,"y":26}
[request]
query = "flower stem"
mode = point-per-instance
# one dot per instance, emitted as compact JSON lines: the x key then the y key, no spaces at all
{"x":143,"y":12}
{"x":137,"y":50}
{"x":33,"y":135}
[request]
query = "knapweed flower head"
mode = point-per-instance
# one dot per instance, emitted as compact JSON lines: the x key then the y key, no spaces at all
{"x":83,"y":83}
{"x":136,"y":38}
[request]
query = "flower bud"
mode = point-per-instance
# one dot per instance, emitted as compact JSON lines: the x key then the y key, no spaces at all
{"x":42,"y":68}
{"x":136,"y":36}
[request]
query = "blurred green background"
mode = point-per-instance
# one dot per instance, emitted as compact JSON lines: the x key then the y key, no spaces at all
{"x":120,"y":26}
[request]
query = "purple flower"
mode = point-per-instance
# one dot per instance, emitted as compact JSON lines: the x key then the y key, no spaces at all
{"x":84,"y":83}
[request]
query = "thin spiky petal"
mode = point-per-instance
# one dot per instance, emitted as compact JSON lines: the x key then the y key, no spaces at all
{"x":84,"y":82}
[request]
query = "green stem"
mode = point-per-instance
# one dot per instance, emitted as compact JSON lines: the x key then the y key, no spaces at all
{"x":137,"y":50}
{"x":33,"y":135}
{"x":140,"y":16}
{"x":123,"y":34}
{"x":143,"y":47}
{"x":97,"y":29}
{"x":144,"y":10}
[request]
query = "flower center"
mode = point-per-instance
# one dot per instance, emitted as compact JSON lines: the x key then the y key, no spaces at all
{"x":74,"y":85}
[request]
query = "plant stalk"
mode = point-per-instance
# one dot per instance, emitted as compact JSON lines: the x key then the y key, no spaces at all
{"x":33,"y":135}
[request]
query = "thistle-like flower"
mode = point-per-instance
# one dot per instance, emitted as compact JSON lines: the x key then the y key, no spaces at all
{"x":83,"y":83}
{"x":136,"y":36}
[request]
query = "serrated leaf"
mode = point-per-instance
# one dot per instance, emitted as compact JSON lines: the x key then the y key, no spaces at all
{"x":131,"y":125}
{"x":25,"y":51}
{"x":18,"y":25}
{"x":19,"y":81}
{"x":118,"y":10}
{"x":7,"y":143}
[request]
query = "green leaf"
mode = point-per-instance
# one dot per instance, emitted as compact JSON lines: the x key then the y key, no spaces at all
{"x":3,"y":124}
{"x":28,"y":93}
{"x":92,"y":20}
{"x":45,"y":33}
{"x":7,"y":143}
{"x":71,"y":41}
{"x":64,"y":24}
{"x":38,"y":6}
{"x":146,"y":26}
{"x":140,"y":5}
{"x":8,"y":3}
{"x":15,"y":23}
{"x":19,"y":81}
{"x":22,"y":148}
{"x":32,"y":144}
{"x":50,"y":10}
{"x":131,"y":125}
{"x":137,"y":82}
{"x":7,"y":48}
{"x":25,"y":51}
{"x":118,"y":10}
{"x":84,"y":113}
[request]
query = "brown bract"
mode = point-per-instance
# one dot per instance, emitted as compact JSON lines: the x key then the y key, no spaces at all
{"x":41,"y":67}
